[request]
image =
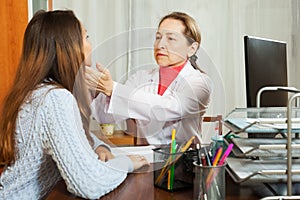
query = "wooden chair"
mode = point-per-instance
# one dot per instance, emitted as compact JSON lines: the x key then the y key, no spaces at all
{"x":217,"y":118}
{"x":132,"y":130}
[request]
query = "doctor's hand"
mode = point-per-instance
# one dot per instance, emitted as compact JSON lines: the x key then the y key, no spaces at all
{"x":104,"y":154}
{"x":99,"y":80}
{"x":138,"y":161}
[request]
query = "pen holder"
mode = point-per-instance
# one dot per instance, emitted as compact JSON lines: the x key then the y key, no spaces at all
{"x":173,"y":171}
{"x":209,"y":182}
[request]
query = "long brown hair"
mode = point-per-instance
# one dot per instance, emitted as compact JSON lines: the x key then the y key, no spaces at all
{"x":191,"y":32}
{"x":52,"y":53}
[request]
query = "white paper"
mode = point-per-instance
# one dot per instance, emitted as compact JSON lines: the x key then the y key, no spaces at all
{"x":135,"y":150}
{"x":277,"y":123}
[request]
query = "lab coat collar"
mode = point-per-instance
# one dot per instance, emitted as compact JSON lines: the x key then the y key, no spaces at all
{"x":186,"y":71}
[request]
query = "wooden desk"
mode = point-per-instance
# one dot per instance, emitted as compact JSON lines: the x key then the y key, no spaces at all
{"x":141,"y":186}
{"x":119,"y":138}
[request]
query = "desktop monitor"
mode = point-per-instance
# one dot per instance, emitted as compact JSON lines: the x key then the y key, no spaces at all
{"x":266,"y":65}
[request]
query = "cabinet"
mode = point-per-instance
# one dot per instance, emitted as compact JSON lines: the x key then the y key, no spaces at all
{"x":14,"y":18}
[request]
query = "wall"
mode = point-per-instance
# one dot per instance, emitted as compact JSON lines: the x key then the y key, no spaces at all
{"x":14,"y":18}
{"x":123,"y":40}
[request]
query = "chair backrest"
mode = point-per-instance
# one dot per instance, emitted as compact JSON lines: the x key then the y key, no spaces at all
{"x":132,"y":130}
{"x":217,"y":118}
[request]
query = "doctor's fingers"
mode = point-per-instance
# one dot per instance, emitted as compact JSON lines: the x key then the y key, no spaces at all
{"x":105,"y":86}
{"x":90,"y":79}
{"x":100,"y":67}
{"x":93,"y":75}
{"x":101,"y":86}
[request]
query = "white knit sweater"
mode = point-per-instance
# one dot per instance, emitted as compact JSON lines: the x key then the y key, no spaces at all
{"x":51,"y":144}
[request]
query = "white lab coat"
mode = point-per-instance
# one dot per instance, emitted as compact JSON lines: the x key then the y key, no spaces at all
{"x":181,"y":106}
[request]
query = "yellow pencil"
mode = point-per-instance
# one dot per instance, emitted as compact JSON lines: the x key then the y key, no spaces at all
{"x":188,"y":144}
{"x":173,"y":134}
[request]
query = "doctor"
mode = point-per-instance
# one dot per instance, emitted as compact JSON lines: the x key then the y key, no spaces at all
{"x":174,"y":95}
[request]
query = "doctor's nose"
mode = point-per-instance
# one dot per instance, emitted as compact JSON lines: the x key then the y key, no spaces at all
{"x":162,"y":43}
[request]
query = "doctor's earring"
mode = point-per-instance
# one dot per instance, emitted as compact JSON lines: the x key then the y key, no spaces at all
{"x":194,"y":58}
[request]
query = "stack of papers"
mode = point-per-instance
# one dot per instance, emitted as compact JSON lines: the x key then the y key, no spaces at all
{"x":146,"y":151}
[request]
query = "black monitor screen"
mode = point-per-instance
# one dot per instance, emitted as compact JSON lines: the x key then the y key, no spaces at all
{"x":266,"y":65}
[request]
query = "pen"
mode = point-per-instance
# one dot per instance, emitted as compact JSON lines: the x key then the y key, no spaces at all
{"x":203,"y":160}
{"x":156,"y":148}
{"x":226,"y":154}
{"x":207,"y":157}
{"x":198,"y":154}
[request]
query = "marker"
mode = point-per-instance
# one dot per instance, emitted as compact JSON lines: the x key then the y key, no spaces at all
{"x":226,"y":154}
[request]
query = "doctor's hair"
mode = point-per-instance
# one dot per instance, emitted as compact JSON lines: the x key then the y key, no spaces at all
{"x":191,"y":32}
{"x":49,"y":56}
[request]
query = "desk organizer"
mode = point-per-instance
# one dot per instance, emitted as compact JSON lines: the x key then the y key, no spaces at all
{"x":173,"y":171}
{"x":271,"y":152}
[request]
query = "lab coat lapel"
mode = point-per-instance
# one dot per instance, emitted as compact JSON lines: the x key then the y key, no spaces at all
{"x":153,"y":80}
{"x":183,"y":74}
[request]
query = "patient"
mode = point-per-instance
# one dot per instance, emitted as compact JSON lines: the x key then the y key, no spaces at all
{"x":44,"y":133}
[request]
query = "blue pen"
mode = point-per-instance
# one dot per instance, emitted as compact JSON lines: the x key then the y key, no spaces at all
{"x":207,"y":157}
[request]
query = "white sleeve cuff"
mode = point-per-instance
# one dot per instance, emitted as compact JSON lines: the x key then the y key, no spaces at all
{"x":98,"y":142}
{"x":122,"y":163}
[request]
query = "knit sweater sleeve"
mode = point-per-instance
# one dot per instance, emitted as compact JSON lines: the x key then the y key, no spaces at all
{"x":98,"y":142}
{"x":66,"y":142}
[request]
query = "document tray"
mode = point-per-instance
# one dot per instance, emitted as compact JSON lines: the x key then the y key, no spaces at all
{"x":266,"y":171}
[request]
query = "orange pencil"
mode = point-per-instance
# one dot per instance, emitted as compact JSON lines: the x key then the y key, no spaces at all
{"x":217,"y":157}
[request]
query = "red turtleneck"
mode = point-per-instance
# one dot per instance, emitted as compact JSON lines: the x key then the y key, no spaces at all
{"x":166,"y":76}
